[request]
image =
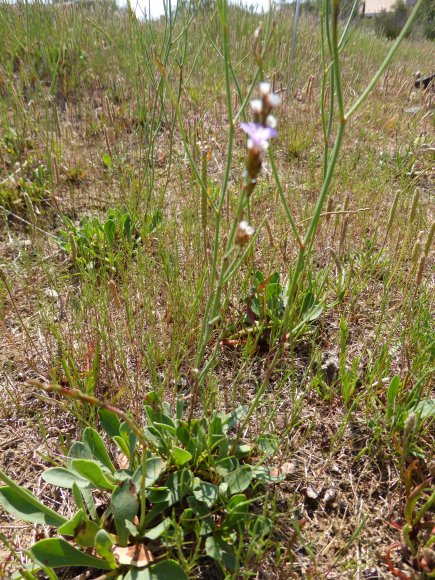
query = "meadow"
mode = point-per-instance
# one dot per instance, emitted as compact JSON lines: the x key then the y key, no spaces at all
{"x":216,"y":295}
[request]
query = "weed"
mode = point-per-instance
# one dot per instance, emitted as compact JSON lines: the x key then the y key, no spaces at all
{"x":173,"y":483}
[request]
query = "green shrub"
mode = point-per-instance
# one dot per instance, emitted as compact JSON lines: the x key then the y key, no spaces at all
{"x":391,"y":23}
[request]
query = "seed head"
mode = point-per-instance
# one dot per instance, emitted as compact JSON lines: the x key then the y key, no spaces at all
{"x":429,"y":239}
{"x":421,"y":265}
{"x":410,"y":423}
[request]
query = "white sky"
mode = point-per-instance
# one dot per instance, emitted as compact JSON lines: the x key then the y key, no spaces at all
{"x":156,"y":6}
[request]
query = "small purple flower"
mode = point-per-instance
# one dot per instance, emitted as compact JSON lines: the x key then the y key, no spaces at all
{"x":259,"y":135}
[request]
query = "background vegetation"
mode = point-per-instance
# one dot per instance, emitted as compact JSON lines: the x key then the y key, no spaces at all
{"x":114,"y":153}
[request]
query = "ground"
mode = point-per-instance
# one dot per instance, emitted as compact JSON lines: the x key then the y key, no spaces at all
{"x":89,"y":123}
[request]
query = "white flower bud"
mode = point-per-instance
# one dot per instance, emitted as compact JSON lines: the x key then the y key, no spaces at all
{"x":264,"y":145}
{"x":264,"y":88}
{"x":274,"y":100}
{"x":271,"y":121}
{"x":244,"y":233}
{"x":257,"y":106}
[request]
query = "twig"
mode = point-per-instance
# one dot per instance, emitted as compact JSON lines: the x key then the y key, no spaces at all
{"x":340,"y":212}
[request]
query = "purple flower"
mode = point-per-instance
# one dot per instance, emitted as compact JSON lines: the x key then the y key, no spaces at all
{"x":259,"y":135}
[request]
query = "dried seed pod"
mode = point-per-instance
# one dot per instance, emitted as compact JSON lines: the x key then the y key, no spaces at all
{"x":115,"y":294}
{"x":420,"y":271}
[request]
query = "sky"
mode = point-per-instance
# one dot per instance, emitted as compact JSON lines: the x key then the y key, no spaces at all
{"x":156,"y":6}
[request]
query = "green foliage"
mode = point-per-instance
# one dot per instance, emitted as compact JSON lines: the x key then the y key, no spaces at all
{"x":103,"y":245}
{"x":391,"y":23}
{"x":26,"y":173}
{"x":265,"y":307}
{"x":187,"y":484}
{"x":418,"y":539}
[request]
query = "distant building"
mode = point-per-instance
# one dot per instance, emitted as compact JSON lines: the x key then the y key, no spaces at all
{"x":371,"y":8}
{"x":375,"y":7}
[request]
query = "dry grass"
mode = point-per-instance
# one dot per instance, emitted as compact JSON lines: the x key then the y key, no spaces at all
{"x":147,"y":335}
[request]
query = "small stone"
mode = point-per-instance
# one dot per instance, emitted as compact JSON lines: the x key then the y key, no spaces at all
{"x":371,"y":574}
{"x":330,"y":369}
{"x":342,"y":507}
{"x":287,"y":468}
{"x":51,"y":293}
{"x":330,"y":495}
{"x":311,"y":493}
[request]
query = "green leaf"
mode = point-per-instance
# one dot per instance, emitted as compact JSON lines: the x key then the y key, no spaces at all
{"x":78,"y":450}
{"x":31,"y":572}
{"x":154,"y":467}
{"x":235,"y":417}
{"x":259,"y":526}
{"x":157,"y":439}
{"x":107,"y":160}
{"x":120,"y":441}
{"x":132,"y":529}
{"x":180,"y":456}
{"x":178,"y":485}
{"x":85,"y":533}
{"x":58,"y":553}
{"x":157,"y":531}
{"x":237,"y":508}
{"x":392,"y":392}
{"x":109,"y":232}
{"x":165,"y":570}
{"x":220,"y":551}
{"x":155,"y":416}
{"x":103,"y":545}
{"x":130,"y":438}
{"x":94,"y":441}
{"x":68,"y":528}
{"x":179,"y":407}
{"x":227,"y":465}
{"x":243,"y":449}
{"x":313,"y":314}
{"x":268,"y":444}
{"x":155,"y":221}
{"x":91,"y":471}
{"x":81,"y":529}
{"x":88,"y":500}
{"x":22,"y":504}
{"x":425,"y":408}
{"x":109,"y":422}
{"x":240,"y":479}
{"x":62,"y":477}
{"x":206,"y":492}
{"x":125,"y":505}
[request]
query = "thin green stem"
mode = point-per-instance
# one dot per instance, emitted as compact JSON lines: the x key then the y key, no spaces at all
{"x":283,"y":198}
